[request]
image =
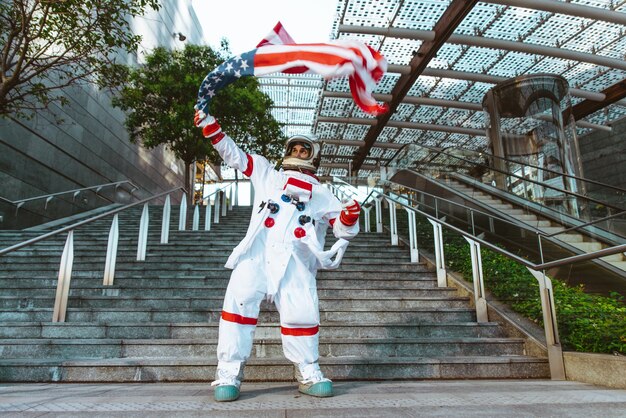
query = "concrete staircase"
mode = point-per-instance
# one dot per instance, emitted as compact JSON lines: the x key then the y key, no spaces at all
{"x":381,"y":316}
{"x":575,"y":239}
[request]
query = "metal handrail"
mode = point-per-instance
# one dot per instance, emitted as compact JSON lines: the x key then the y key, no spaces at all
{"x":529,"y":205}
{"x":84,"y":222}
{"x":546,"y":294}
{"x":543,"y":266}
{"x":67,"y":257}
{"x":75,"y":191}
{"x":529,"y":228}
{"x":230,"y":183}
{"x":207,"y":217}
{"x":586,"y":180}
{"x":443,"y":151}
{"x":574,"y":228}
{"x":548,"y":186}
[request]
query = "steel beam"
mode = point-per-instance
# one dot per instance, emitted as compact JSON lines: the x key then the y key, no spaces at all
{"x":595,"y":13}
{"x":472,"y":40}
{"x":450,"y":19}
{"x":613,"y":94}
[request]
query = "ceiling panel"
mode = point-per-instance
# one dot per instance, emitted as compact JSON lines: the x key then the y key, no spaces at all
{"x":299,"y":100}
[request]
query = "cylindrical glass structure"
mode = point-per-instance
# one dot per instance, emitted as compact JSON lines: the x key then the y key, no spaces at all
{"x":532,"y":136}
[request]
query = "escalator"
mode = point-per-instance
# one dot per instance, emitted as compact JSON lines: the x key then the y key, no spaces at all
{"x":541,"y":214}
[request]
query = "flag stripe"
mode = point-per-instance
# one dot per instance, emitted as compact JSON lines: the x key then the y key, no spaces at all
{"x":363,"y":65}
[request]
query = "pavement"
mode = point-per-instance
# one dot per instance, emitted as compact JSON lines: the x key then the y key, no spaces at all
{"x":458,"y":398}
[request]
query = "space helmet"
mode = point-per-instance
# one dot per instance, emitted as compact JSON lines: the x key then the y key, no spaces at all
{"x":310,"y":163}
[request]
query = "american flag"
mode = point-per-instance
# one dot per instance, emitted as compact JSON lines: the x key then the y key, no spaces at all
{"x":277,"y":53}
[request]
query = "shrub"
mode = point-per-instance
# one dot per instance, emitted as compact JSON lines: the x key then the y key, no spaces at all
{"x":586,"y":322}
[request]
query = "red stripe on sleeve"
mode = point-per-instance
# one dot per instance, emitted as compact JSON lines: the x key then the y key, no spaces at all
{"x":300,"y":332}
{"x":248,"y":171}
{"x":231,"y":317}
{"x":217,"y":138}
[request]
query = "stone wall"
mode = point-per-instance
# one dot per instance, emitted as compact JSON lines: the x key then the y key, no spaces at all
{"x":604,"y":155}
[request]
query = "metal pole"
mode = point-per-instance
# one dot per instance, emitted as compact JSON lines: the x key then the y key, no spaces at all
{"x":196,"y":218}
{"x":366,"y":218}
{"x":63,"y":283}
{"x":182,"y":218}
{"x":223,"y":203}
{"x":207,"y":215}
{"x":109,"y":265}
{"x":479,"y":285}
{"x":142,"y":241}
{"x":412,"y":236}
{"x":379,"y":215}
{"x":216,"y":215}
{"x":548,"y":309}
{"x":393,"y":224}
{"x":165,"y":222}
{"x":439,"y":256}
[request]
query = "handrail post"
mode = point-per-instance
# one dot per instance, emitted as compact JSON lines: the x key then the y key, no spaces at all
{"x":216,"y":208}
{"x":393,"y":224}
{"x":109,"y":265}
{"x":232,"y":197}
{"x":366,"y":218}
{"x":379,"y":215}
{"x":479,"y":284}
{"x":165,"y":222}
{"x":548,"y":309}
{"x":196,"y":218}
{"x":439,"y":256}
{"x":412,"y":236}
{"x":182,"y":218}
{"x":142,"y":240}
{"x":223,"y":203}
{"x":237,"y":193}
{"x":63,"y":283}
{"x":207,"y":215}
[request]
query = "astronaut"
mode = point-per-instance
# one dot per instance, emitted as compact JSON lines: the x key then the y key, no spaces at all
{"x":278,"y":259}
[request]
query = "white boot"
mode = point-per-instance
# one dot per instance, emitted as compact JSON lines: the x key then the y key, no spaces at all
{"x":312,"y":381}
{"x":228,"y":377}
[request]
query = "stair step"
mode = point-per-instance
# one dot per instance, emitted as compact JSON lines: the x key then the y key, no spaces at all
{"x":206,"y":291}
{"x":337,"y":329}
{"x":272,"y":369}
{"x":262,"y":348}
{"x":216,"y":302}
{"x":220,"y":280}
{"x":416,"y":315}
{"x":381,"y":316}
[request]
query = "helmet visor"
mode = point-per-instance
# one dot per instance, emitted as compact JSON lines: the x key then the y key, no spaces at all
{"x":299,"y":149}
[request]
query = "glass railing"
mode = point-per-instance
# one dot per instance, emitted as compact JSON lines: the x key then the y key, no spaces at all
{"x":42,"y":209}
{"x":531,"y":244}
{"x":598,"y":209}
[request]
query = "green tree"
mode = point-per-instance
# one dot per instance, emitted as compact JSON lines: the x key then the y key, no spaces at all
{"x":49,"y":45}
{"x":159,"y":99}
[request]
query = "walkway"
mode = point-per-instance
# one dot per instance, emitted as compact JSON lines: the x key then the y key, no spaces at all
{"x":468,"y":398}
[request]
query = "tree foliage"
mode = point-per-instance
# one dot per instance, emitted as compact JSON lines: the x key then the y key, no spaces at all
{"x":159,"y":99}
{"x":49,"y":45}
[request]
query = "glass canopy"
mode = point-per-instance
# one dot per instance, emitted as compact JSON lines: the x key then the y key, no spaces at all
{"x":580,"y":40}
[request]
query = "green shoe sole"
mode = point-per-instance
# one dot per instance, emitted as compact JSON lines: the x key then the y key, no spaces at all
{"x":226,"y":393}
{"x":319,"y":389}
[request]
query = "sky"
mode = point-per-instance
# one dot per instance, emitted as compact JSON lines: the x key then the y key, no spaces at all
{"x":245,"y":22}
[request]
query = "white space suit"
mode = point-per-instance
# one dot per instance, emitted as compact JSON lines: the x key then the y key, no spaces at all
{"x":278,"y":259}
